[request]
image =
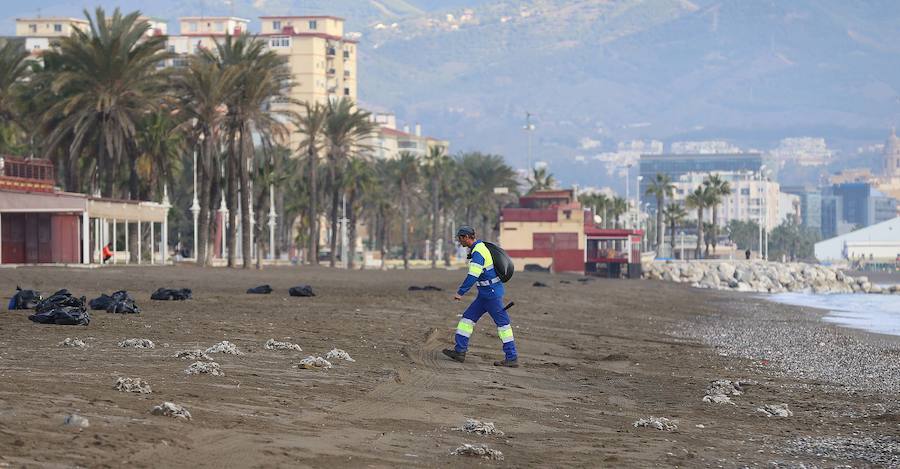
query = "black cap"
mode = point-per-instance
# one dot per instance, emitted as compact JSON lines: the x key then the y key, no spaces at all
{"x":465,"y":230}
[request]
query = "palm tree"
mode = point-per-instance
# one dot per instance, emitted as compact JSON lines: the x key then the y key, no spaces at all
{"x":675,"y":214}
{"x":161,"y":145}
{"x":540,"y":180}
{"x":406,"y":174}
{"x":380,"y":201}
{"x":13,"y":69}
{"x":660,"y":187}
{"x":359,"y":177}
{"x":202,"y":90}
{"x":618,"y":207}
{"x":700,"y":199}
{"x":311,"y":125}
{"x":108,"y":79}
{"x":434,"y":167}
{"x":484,"y":173}
{"x":719,"y":188}
{"x":347,"y":130}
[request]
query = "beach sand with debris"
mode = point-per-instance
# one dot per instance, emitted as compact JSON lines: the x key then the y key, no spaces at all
{"x":596,"y":357}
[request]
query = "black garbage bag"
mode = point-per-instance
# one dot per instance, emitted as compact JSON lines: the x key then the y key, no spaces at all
{"x":118,"y":302}
{"x":260,"y":290}
{"x":301,"y":290}
{"x":425,"y":288}
{"x":536,"y":268}
{"x":60,"y":299}
{"x":538,"y":284}
{"x":62,"y":308}
{"x":171,"y":294}
{"x":64,"y":316}
{"x":503,"y":265}
{"x":24,"y":299}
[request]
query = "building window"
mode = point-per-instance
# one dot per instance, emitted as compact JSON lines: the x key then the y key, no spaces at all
{"x":220,"y":27}
{"x":193,"y":27}
{"x":346,"y":91}
{"x":32,"y":28}
{"x":280,"y":42}
{"x":312,"y":24}
{"x":57,"y":28}
{"x":276,"y":25}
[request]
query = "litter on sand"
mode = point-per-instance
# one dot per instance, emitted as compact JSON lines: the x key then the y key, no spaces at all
{"x":718,"y":399}
{"x":273,"y":344}
{"x":311,"y":362}
{"x":171,"y":409}
{"x":193,"y":355}
{"x":75,"y":420}
{"x":70,"y":342}
{"x":225,"y":347}
{"x":480,"y":451}
{"x":538,"y":284}
{"x":339,"y":354}
{"x":61,"y":308}
{"x":775,"y":410}
{"x":301,"y":290}
{"x":133,"y":385}
{"x":164,"y":294}
{"x":425,"y":288}
{"x":137,"y":343}
{"x":24,"y":299}
{"x":479,"y":427}
{"x":659,"y":423}
{"x":260,"y":290}
{"x":202,"y":368}
{"x":119,"y":302}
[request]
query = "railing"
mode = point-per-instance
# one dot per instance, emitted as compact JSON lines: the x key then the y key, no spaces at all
{"x":34,"y":175}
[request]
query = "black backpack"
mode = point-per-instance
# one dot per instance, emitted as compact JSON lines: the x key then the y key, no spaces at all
{"x":503,"y":265}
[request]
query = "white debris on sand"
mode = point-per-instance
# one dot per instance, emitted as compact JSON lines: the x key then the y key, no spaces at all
{"x":481,"y":451}
{"x":718,"y":399}
{"x":224,"y":347}
{"x":775,"y":410}
{"x":312,"y":362}
{"x":273,"y":344}
{"x":211,"y":368}
{"x":75,"y":420}
{"x":70,"y":342}
{"x":477,"y":426}
{"x":196,"y":354}
{"x":170,"y":409}
{"x":338,"y":353}
{"x":133,"y":385}
{"x":137,"y":343}
{"x":659,"y":423}
{"x":721,"y":390}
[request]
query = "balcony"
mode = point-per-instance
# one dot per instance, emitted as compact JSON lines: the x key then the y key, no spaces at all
{"x":346,"y":73}
{"x":346,"y":54}
{"x":330,"y":52}
{"x":330,"y":72}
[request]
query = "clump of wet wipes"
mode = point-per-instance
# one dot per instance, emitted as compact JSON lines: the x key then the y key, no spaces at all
{"x":312,"y":362}
{"x":479,"y":427}
{"x":659,"y":423}
{"x":137,"y":343}
{"x":171,"y":409}
{"x":196,"y":354}
{"x":133,"y":385}
{"x":225,"y":347}
{"x":337,"y":353}
{"x":273,"y":344}
{"x":775,"y":410}
{"x":480,"y":451}
{"x":202,"y":368}
{"x":70,"y":342}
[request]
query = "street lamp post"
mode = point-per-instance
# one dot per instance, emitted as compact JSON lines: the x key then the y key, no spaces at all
{"x":529,"y":127}
{"x":195,"y":210}
{"x":272,"y":216}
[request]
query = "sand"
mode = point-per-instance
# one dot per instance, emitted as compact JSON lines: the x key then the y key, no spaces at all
{"x":596,"y":357}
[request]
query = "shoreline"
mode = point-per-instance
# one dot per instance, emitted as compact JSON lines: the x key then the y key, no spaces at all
{"x":596,"y":357}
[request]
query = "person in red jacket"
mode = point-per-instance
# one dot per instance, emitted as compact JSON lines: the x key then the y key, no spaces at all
{"x":107,"y":252}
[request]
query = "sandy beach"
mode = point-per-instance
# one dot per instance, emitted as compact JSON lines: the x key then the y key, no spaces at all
{"x":596,"y":357}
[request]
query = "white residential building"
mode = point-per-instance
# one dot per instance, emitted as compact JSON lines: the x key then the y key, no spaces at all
{"x":751,"y":199}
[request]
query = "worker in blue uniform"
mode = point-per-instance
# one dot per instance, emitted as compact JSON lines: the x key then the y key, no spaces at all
{"x":489,"y":300}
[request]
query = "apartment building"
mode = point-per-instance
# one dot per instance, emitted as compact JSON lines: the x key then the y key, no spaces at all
{"x":42,"y":33}
{"x":388,"y":141}
{"x":751,"y":199}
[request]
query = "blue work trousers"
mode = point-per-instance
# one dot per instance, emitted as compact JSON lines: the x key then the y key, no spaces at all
{"x":494,"y":307}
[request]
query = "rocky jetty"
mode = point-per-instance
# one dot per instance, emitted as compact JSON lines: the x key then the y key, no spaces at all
{"x":762,"y":277}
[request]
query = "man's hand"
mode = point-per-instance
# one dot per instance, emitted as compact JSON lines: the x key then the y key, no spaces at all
{"x":456,"y":297}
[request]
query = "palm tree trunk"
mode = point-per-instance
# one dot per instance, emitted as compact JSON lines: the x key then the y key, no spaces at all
{"x":715,"y":227}
{"x":214,"y":203}
{"x":672,"y":234}
{"x":659,"y":223}
{"x":404,"y":204}
{"x":699,"y":251}
{"x":133,"y":189}
{"x":203,"y":220}
{"x":313,"y":210}
{"x":232,"y":196}
{"x":382,"y":234}
{"x":351,"y":249}
{"x":335,"y":200}
{"x":246,"y":154}
{"x":435,"y":209}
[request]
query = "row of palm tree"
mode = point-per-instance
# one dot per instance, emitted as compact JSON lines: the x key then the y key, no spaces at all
{"x":117,"y":123}
{"x":609,"y":208}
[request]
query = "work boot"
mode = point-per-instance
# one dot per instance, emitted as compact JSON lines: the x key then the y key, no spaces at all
{"x":454,"y":355}
{"x":508,"y":363}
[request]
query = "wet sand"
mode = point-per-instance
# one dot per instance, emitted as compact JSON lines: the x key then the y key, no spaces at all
{"x":596,"y":356}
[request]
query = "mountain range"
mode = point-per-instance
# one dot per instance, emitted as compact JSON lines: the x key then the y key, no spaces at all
{"x":751,"y":71}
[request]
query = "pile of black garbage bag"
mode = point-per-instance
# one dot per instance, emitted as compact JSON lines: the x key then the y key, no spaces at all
{"x":24,"y":299}
{"x":260,"y":290}
{"x":164,"y":294}
{"x":119,"y":302}
{"x":61,"y":308}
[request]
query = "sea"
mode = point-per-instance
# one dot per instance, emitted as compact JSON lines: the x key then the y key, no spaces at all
{"x":873,"y":313}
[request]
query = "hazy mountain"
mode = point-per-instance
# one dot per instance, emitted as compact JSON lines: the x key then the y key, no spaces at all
{"x":468,"y":70}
